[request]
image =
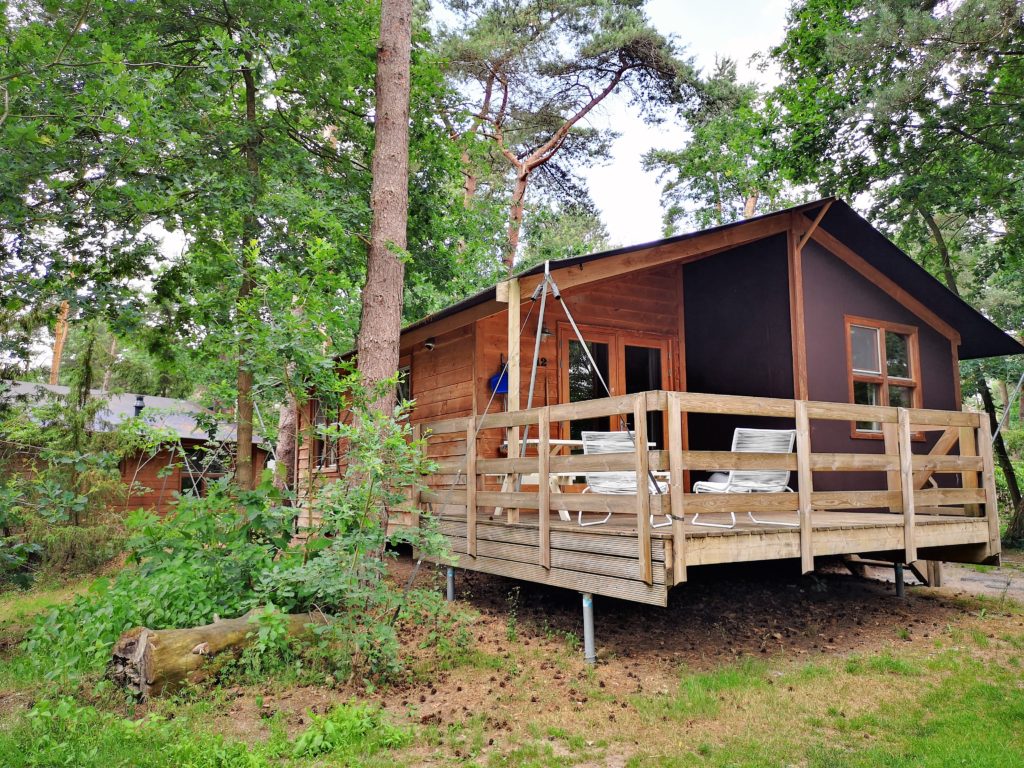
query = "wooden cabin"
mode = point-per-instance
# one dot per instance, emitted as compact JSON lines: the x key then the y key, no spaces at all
{"x":191,"y":458}
{"x":807,"y":319}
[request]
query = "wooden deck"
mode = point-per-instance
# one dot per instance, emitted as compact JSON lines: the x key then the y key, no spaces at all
{"x":519,"y":533}
{"x":603,"y":561}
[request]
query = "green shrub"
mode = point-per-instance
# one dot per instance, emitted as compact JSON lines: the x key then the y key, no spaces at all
{"x":63,"y":733}
{"x":232,"y":551}
{"x":74,"y":550}
{"x":350,"y":731}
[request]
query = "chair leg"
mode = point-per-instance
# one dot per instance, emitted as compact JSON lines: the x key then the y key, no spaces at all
{"x":777,"y":522}
{"x":579,"y":519}
{"x":715,"y":525}
{"x":668,"y":518}
{"x":773,"y":522}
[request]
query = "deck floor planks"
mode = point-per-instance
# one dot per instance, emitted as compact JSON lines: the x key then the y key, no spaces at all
{"x":603,"y":561}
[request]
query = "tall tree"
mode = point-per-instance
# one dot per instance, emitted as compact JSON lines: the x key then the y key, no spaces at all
{"x":381,"y":324}
{"x":725,"y":170}
{"x":532,"y":73}
{"x":919,"y":104}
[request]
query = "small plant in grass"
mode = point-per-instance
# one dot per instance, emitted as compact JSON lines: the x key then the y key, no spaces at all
{"x":349,"y":731}
{"x":512,"y":626}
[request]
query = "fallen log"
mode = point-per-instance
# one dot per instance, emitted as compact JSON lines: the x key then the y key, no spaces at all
{"x":150,"y":662}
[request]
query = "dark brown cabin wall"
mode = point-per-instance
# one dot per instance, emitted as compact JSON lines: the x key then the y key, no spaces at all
{"x":738,"y":334}
{"x":832,"y":291}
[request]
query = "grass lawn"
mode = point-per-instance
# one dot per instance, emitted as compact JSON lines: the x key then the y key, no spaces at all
{"x":954,"y":697}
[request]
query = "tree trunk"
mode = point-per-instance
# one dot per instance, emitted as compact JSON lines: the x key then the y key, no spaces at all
{"x":1015,"y":529}
{"x":60,"y":335}
{"x":469,"y":186}
{"x":109,"y":371}
{"x":1004,"y":396}
{"x":244,"y":477}
{"x":152,"y":662}
{"x":948,"y":274}
{"x":284,"y":455}
{"x":515,"y":218}
{"x":750,"y":205}
{"x":381,"y":323}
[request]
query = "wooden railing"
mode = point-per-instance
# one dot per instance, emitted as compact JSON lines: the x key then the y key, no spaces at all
{"x":904,"y":490}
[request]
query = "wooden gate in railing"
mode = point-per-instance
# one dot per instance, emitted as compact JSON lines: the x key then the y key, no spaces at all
{"x":904,"y":490}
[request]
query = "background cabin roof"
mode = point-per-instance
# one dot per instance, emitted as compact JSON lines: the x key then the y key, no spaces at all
{"x":980,"y":337}
{"x":181,"y":416}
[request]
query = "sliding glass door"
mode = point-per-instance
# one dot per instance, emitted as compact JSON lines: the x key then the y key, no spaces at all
{"x":626,"y":362}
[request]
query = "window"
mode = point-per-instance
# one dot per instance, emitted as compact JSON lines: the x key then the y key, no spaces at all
{"x":628,"y":363}
{"x":326,"y":447}
{"x":203,"y":464}
{"x":883,"y":366}
{"x":403,"y":391}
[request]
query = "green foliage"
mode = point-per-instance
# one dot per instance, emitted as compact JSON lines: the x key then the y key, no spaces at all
{"x":916,"y":103}
{"x":54,"y":464}
{"x":63,"y":732}
{"x":350,"y":731}
{"x":231,"y":551}
{"x":529,"y":75}
{"x":75,"y":550}
{"x":726,"y":169}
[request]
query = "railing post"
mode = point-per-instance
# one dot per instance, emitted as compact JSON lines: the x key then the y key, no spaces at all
{"x":643,"y":491}
{"x":471,"y":487}
{"x":969,"y":447}
{"x":544,"y":485}
{"x":891,"y":441}
{"x":805,"y":488}
{"x":907,"y":485}
{"x":512,"y":378}
{"x":677,"y":486}
{"x":989,"y":480}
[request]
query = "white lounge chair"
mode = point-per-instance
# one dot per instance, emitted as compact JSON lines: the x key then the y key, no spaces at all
{"x":618,"y":482}
{"x":749,"y":440}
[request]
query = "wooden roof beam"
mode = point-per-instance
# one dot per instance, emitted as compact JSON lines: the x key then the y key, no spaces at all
{"x":889,"y":286}
{"x":814,"y":224}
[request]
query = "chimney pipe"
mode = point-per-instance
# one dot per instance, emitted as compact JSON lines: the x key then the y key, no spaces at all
{"x":140,"y":403}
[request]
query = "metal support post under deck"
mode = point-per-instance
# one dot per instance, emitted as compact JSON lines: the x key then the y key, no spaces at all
{"x":450,"y":594}
{"x":901,"y":590}
{"x":589,"y":653}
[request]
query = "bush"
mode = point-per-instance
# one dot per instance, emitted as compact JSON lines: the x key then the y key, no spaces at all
{"x":74,"y":550}
{"x":63,"y":732}
{"x":232,"y":551}
{"x":355,"y":730}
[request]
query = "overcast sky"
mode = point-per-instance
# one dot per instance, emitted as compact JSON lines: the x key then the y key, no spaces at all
{"x":628,"y":197}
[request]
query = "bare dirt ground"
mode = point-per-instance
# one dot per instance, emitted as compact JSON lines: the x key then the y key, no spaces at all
{"x":533,"y":671}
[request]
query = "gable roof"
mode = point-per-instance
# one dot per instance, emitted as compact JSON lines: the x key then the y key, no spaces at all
{"x":979,"y":336}
{"x":180,"y":416}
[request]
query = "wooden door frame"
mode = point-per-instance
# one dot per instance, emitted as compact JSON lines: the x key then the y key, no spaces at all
{"x":617,"y":340}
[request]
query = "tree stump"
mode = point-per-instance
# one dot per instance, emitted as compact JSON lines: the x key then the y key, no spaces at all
{"x":151,"y":662}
